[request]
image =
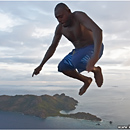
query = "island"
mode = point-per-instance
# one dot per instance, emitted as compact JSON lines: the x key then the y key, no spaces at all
{"x":43,"y":106}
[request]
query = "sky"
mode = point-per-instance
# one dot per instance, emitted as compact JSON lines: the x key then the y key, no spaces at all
{"x":27,"y":30}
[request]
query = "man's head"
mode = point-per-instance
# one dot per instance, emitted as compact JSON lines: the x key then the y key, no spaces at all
{"x":62,"y":13}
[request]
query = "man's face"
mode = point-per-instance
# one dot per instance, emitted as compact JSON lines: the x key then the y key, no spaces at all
{"x":62,"y":16}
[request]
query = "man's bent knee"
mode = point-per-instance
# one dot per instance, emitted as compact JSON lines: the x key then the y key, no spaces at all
{"x":63,"y":67}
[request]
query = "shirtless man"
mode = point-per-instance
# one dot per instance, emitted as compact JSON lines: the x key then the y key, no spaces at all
{"x":86,"y":37}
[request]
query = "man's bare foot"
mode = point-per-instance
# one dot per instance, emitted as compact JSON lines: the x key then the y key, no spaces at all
{"x":98,"y":76}
{"x":85,"y":86}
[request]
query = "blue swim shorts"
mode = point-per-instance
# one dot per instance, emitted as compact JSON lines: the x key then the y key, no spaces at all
{"x":78,"y":59}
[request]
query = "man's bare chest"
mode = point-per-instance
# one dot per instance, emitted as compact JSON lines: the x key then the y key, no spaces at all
{"x":72,"y":33}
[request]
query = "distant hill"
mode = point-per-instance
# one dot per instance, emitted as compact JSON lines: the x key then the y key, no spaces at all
{"x":41,"y":106}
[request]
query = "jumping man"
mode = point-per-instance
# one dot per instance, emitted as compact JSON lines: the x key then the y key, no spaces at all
{"x":86,"y":36}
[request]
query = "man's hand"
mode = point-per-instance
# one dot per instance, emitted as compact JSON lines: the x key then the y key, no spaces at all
{"x":91,"y":63}
{"x":37,"y":70}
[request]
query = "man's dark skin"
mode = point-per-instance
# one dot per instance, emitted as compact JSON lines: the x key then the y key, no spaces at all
{"x":82,"y":31}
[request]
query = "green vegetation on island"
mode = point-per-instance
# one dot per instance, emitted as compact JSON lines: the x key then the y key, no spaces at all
{"x":43,"y":106}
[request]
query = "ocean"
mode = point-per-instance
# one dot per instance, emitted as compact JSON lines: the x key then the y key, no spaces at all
{"x":110,"y":103}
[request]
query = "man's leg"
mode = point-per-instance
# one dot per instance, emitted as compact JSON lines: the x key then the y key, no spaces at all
{"x":86,"y":80}
{"x":98,"y":76}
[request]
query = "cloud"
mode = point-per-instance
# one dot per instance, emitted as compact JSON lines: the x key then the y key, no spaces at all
{"x":27,"y":30}
{"x":41,"y":32}
{"x":7,"y":21}
{"x":22,"y":60}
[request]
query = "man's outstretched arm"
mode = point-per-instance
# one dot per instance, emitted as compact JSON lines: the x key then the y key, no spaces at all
{"x":50,"y":50}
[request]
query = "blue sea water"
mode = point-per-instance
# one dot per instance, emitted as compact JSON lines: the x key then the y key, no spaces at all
{"x":108,"y":103}
{"x":10,"y":120}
